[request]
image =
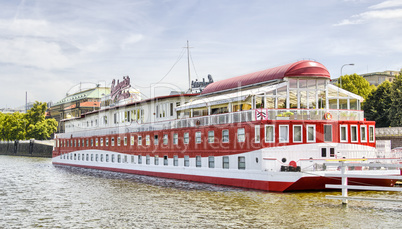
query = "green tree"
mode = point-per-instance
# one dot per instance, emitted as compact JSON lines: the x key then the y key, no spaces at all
{"x":356,"y":84}
{"x":37,"y":126}
{"x":377,"y":105}
{"x":14,"y":126}
{"x":395,"y":110}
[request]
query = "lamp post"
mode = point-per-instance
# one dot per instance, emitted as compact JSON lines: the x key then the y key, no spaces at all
{"x":340,"y":78}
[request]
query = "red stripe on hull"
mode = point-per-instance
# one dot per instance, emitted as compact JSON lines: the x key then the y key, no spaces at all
{"x":303,"y":184}
{"x":272,"y":186}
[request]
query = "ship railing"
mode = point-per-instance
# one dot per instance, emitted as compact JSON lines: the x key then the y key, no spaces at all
{"x":225,"y":118}
{"x":313,"y":165}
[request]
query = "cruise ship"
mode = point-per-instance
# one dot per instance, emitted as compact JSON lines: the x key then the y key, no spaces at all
{"x":273,"y":130}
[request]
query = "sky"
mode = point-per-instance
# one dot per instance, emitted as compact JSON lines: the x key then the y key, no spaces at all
{"x":48,"y":48}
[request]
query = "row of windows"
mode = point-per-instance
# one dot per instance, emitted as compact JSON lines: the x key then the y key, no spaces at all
{"x":269,"y":132}
{"x":241,"y":161}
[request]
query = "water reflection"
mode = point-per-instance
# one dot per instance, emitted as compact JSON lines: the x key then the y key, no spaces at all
{"x":34,"y":193}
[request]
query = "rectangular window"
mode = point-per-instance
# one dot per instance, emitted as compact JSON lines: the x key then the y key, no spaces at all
{"x":107,"y":142}
{"x":257,"y":134}
{"x":107,"y":158}
{"x":297,"y":133}
{"x":101,"y":142}
{"x":323,"y":152}
{"x":344,"y":133}
{"x":175,"y":160}
{"x":283,"y":133}
{"x":125,"y":140}
{"x":310,"y":133}
{"x":328,"y":133}
{"x":112,"y":143}
{"x":371,"y":134}
{"x":225,"y":162}
{"x":363,"y":133}
{"x":156,"y":160}
{"x":132,"y":140}
{"x":171,"y":109}
{"x":242,"y":163}
{"x":165,"y":139}
{"x":92,"y":142}
{"x":165,"y":160}
{"x":211,"y":162}
{"x":175,"y":139}
{"x":198,"y":161}
{"x":101,"y":157}
{"x":86,"y":157}
{"x":353,"y":133}
{"x":332,"y":152}
{"x":139,"y":159}
{"x":198,"y":137}
{"x":269,"y":133}
{"x":92,"y":157}
{"x":156,"y":140}
{"x":241,"y":135}
{"x":225,"y":135}
{"x":96,"y":157}
{"x":211,"y":136}
{"x":148,"y":160}
{"x":147,"y":140}
{"x":112,"y":158}
{"x":186,"y":161}
{"x":139,"y":140}
{"x":118,"y":141}
{"x":118,"y":158}
{"x":186,"y":138}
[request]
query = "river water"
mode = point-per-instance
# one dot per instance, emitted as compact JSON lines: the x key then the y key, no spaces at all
{"x":34,"y":193}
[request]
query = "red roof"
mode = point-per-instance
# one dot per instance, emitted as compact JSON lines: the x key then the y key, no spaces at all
{"x":304,"y":68}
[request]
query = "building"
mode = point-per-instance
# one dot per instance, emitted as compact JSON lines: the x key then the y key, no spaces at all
{"x":376,"y":78}
{"x":76,"y":104}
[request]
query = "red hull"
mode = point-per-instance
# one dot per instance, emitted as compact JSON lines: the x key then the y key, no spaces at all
{"x":303,"y":184}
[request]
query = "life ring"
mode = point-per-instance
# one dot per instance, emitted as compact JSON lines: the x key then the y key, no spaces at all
{"x":328,"y":116}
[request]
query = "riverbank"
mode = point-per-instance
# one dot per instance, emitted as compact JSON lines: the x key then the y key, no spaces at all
{"x":27,"y":148}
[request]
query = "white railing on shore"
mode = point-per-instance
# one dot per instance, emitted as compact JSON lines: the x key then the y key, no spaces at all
{"x":219,"y":119}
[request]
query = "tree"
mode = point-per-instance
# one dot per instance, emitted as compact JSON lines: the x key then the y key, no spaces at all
{"x":37,"y":126}
{"x":356,"y":84}
{"x":377,"y":105}
{"x":395,"y":110}
{"x":14,"y":126}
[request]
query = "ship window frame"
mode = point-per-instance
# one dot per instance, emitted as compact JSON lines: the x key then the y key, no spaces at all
{"x":241,"y":134}
{"x":308,"y":133}
{"x":267,"y":140}
{"x":147,"y":140}
{"x":156,"y":139}
{"x":225,"y":162}
{"x":329,"y":133}
{"x":101,"y":142}
{"x":286,"y":138}
{"x":211,"y":162}
{"x":198,"y":139}
{"x":165,"y":139}
{"x":354,"y":135}
{"x":186,"y":138}
{"x":211,"y":136}
{"x":175,"y":160}
{"x":139,"y":140}
{"x":186,"y":161}
{"x":139,"y":159}
{"x":241,"y":165}
{"x":112,"y":141}
{"x":156,"y":160}
{"x":132,"y":140}
{"x":198,"y":162}
{"x":257,"y":133}
{"x":147,"y":159}
{"x":125,"y":141}
{"x":371,"y":133}
{"x":365,"y":133}
{"x":225,"y":137}
{"x":106,"y":141}
{"x":165,"y":160}
{"x":345,"y":127}
{"x":118,"y":141}
{"x":175,"y":138}
{"x":301,"y":133}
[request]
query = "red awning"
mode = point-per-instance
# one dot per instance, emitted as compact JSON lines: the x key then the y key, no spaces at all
{"x":304,"y":68}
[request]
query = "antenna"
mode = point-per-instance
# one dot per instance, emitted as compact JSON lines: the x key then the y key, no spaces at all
{"x":188,"y":66}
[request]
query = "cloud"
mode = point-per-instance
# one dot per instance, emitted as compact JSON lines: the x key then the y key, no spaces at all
{"x":131,"y":39}
{"x":387,"y":4}
{"x":372,"y":16}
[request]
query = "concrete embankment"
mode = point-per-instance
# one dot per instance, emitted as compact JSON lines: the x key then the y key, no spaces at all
{"x":28,"y":148}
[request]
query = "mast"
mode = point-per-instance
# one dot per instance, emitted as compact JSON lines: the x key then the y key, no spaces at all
{"x":188,"y":67}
